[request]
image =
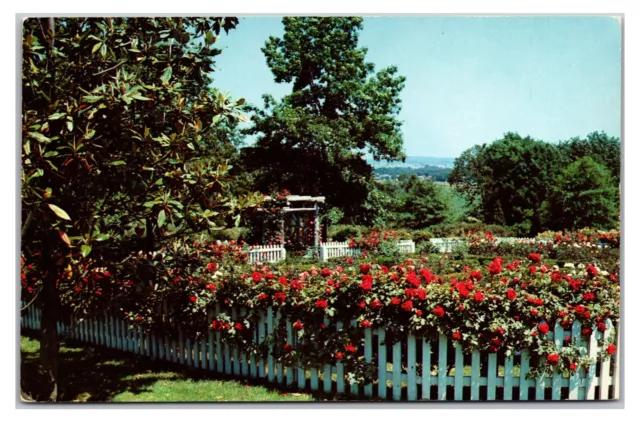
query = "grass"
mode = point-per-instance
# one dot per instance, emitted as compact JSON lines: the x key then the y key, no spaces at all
{"x":90,"y":374}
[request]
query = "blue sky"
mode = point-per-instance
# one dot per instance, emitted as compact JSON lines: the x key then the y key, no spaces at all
{"x":469,"y":79}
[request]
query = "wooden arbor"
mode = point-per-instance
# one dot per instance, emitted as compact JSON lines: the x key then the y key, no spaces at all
{"x":295,"y":206}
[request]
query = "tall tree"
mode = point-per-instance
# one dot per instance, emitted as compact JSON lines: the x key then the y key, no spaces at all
{"x":584,"y":194}
{"x":313,"y":141}
{"x":599,"y":146}
{"x":118,"y":120}
{"x":510,"y":177}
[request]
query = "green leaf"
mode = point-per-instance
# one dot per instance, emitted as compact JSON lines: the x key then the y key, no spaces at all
{"x":59,"y":212}
{"x":140,"y":97}
{"x":101,"y":237}
{"x":118,"y":163}
{"x":85,"y":250}
{"x":39,"y":137}
{"x":96,"y":47}
{"x":56,"y":116}
{"x":92,"y":98}
{"x":149,"y":204}
{"x":166,"y":75}
{"x":161,"y":218}
{"x":69,"y":124}
{"x":103,"y":50}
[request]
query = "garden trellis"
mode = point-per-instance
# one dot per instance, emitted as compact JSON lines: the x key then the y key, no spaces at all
{"x":412,"y":369}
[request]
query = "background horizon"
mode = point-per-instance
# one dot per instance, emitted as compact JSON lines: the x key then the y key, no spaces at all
{"x":552,"y":78}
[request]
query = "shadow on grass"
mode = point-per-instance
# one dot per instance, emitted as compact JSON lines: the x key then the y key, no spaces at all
{"x":96,"y":374}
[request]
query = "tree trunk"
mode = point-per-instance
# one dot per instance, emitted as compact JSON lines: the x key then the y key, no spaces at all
{"x":49,"y":347}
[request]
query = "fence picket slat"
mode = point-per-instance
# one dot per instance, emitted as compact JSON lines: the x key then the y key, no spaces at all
{"x":508,"y":378}
{"x":160,"y":347}
{"x":271,"y":372}
{"x":616,"y":368}
{"x":368,"y":357}
{"x":181,"y":347}
{"x":540,"y":387}
{"x":167,"y":348}
{"x":459,"y":374}
{"x":189,"y":352}
{"x":339,"y":366}
{"x":289,"y":370}
{"x":524,"y":369}
{"x":574,"y":380}
{"x":475,"y":375}
{"x":261,"y":339}
{"x":426,"y":368}
{"x":382,"y":365}
{"x":442,"y":367}
{"x":353,"y":386}
{"x":219,"y":359}
{"x":412,"y":383}
{"x":492,"y":372}
{"x":591,"y":375}
{"x":397,"y":368}
{"x":236,"y":356}
{"x":326,"y":371}
{"x":605,"y":377}
{"x":313,"y":379}
{"x":243,"y":356}
{"x":556,"y":378}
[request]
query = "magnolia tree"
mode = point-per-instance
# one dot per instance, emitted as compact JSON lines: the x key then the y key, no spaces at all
{"x":118,"y":123}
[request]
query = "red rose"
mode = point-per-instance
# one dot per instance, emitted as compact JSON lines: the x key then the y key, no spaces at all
{"x":586,"y":331}
{"x":573,"y":366}
{"x":418,"y":312}
{"x":611,"y":349}
{"x":511,"y":294}
{"x":339,"y":355}
{"x":602,"y":327}
{"x":256,"y":276}
{"x":212,"y":266}
{"x":298,"y":325}
{"x":588,"y":296}
{"x":544,"y":328}
{"x":279,"y":297}
{"x":553,"y":359}
{"x":461,"y":308}
{"x":535,"y":257}
{"x":376,"y":304}
{"x":321,"y":304}
{"x":367,"y":282}
{"x":211,"y":287}
{"x":364,"y":268}
{"x":456,"y":335}
{"x":475,"y":274}
{"x":395,"y":301}
{"x":534,"y":312}
{"x":193,"y":299}
{"x":365,"y":323}
{"x":593,"y":271}
{"x":407,"y":305}
{"x":532,"y":269}
{"x":238,"y":326}
{"x":283,"y":281}
{"x":288,"y":348}
{"x":580,"y":309}
{"x":478,"y":297}
{"x":495,"y":267}
{"x":325,"y":272}
{"x":350,"y":348}
{"x":438,"y":311}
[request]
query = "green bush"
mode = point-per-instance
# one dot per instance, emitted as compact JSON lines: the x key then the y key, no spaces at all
{"x":343,"y":233}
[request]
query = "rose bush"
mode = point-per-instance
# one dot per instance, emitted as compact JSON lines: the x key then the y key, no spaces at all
{"x":501,"y":307}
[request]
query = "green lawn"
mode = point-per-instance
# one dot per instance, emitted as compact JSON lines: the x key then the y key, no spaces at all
{"x":89,"y":374}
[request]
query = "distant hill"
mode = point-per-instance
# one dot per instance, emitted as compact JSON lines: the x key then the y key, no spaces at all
{"x":415,"y":161}
{"x":435,"y":173}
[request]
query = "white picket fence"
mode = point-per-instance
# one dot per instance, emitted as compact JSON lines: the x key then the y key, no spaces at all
{"x":340,"y":249}
{"x":411,"y":369}
{"x":449,"y":244}
{"x":266,"y":253}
